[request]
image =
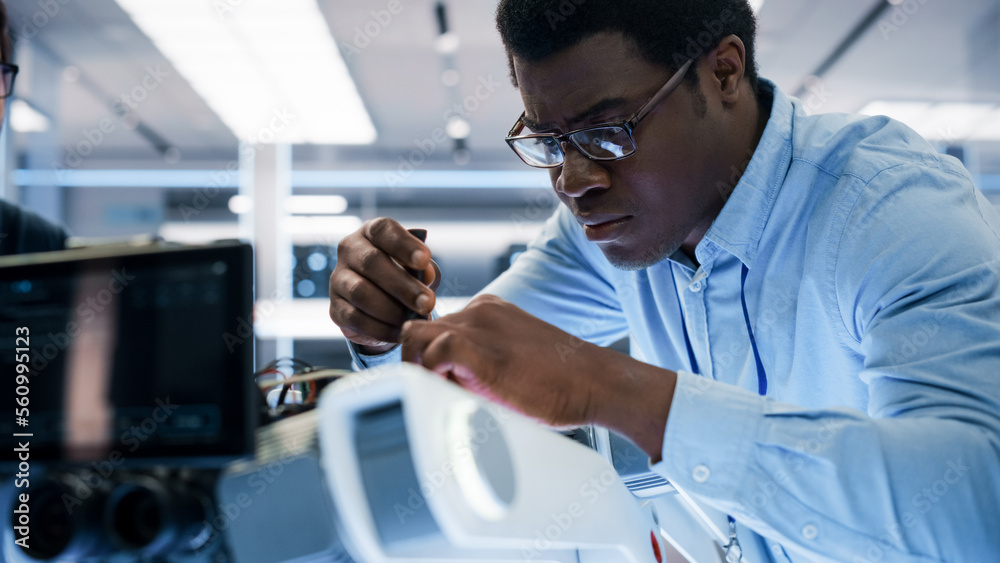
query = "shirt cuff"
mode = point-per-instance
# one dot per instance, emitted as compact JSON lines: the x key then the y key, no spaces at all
{"x":361,"y":361}
{"x":711,"y":432}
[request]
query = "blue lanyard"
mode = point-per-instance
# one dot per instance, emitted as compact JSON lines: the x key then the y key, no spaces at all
{"x":761,"y":374}
{"x":734,"y":552}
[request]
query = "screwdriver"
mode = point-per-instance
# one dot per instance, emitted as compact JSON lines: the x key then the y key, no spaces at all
{"x":419,"y":274}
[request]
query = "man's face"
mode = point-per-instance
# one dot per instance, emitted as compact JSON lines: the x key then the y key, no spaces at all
{"x":641,"y":209}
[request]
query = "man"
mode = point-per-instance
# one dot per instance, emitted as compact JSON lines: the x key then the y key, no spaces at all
{"x":20,"y":230}
{"x":813,"y":302}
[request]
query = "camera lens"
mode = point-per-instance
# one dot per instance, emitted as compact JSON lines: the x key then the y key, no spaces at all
{"x":54,"y":531}
{"x":151,"y":519}
{"x":138,"y":517}
{"x":64,"y":524}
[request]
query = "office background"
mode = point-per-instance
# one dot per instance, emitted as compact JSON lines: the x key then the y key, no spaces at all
{"x":289,"y":122}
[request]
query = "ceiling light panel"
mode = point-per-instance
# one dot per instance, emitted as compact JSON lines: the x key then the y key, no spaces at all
{"x":948,"y":122}
{"x":270,"y":70}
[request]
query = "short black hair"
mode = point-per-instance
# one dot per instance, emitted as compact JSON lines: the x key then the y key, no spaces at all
{"x":6,"y":45}
{"x":666,"y":32}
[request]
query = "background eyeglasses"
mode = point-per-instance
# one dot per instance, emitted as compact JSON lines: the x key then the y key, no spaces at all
{"x":613,"y":141}
{"x":7,"y":74}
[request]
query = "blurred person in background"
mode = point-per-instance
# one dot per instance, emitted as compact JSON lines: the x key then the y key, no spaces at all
{"x":21,"y":230}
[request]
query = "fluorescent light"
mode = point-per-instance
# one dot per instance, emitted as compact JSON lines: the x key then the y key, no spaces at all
{"x":946,"y":122}
{"x":316,"y":204}
{"x":952,"y":121}
{"x":329,"y":179}
{"x":26,"y":119}
{"x":270,"y":70}
{"x":989,"y":127}
{"x":909,"y":113}
{"x":447,"y":43}
{"x":310,"y":318}
{"x":240,"y":204}
{"x":755,"y":5}
{"x":332,"y":228}
{"x":198,"y":232}
{"x":458,"y":128}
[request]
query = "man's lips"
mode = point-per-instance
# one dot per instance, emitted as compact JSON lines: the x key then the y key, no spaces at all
{"x":603,"y":227}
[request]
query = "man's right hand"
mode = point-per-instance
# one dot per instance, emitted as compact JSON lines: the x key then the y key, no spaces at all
{"x":370,"y":291}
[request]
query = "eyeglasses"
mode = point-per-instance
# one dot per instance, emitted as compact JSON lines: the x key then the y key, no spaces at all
{"x":610,"y":141}
{"x":7,"y":74}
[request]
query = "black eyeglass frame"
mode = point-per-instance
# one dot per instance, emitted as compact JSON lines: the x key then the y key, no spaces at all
{"x":628,"y":125}
{"x":11,"y":69}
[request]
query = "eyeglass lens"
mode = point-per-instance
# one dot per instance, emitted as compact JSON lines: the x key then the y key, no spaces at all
{"x":6,"y":81}
{"x":602,"y":143}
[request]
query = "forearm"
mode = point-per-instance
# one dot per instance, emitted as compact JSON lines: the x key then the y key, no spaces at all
{"x":632,"y":398}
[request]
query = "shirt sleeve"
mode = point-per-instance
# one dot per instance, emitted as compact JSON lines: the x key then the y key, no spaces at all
{"x":915,"y":478}
{"x":361,"y":361}
{"x":563,"y":279}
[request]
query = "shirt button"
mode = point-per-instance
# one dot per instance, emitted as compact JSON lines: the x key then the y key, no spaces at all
{"x":701,"y":473}
{"x":696,"y":286}
{"x":810,"y":532}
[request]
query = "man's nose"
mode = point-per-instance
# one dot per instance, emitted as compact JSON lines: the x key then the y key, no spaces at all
{"x":580,"y":174}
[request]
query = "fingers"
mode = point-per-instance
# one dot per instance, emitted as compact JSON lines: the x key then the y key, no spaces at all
{"x":432,"y":276}
{"x":370,"y":291}
{"x":390,"y":237}
{"x":360,"y":307}
{"x":430,"y":344}
{"x":384,"y":273}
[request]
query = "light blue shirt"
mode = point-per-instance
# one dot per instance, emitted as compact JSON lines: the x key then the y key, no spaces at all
{"x":873,"y":295}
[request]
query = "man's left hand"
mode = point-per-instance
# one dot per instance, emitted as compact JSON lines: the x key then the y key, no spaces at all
{"x":497,"y":350}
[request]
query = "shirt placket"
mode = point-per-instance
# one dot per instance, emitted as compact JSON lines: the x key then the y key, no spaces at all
{"x":692,"y":290}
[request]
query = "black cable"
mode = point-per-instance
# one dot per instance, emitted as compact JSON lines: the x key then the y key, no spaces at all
{"x":846,"y":44}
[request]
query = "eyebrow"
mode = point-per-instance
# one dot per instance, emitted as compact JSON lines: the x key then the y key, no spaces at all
{"x":594,"y":110}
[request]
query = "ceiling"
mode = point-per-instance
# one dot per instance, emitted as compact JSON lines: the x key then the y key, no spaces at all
{"x":932,"y":50}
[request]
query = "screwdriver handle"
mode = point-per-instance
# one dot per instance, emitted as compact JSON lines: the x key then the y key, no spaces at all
{"x":419,"y":274}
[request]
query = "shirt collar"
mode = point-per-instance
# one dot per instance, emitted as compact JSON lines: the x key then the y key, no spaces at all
{"x":739,"y":225}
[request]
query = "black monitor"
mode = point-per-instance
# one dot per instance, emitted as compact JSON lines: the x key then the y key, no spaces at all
{"x":137,"y":356}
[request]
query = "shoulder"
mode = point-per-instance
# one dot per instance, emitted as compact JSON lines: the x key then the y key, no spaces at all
{"x":22,"y":231}
{"x":863,"y":147}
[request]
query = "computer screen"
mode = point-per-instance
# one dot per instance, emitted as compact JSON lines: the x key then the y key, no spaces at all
{"x":133,"y":355}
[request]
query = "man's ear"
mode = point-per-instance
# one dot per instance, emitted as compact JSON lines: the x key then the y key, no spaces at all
{"x":727,"y":62}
